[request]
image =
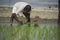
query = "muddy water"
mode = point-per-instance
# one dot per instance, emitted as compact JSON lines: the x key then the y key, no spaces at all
{"x":40,"y":22}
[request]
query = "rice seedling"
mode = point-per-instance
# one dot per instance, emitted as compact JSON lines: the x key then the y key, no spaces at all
{"x":34,"y":32}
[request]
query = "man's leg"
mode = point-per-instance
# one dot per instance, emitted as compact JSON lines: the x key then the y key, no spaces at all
{"x":11,"y":19}
{"x":14,"y":16}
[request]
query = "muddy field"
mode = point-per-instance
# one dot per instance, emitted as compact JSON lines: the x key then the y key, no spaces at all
{"x":44,"y":13}
{"x":47,"y":15}
{"x":7,"y":20}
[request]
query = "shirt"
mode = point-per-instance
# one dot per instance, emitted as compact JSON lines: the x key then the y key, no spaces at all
{"x":18,"y":7}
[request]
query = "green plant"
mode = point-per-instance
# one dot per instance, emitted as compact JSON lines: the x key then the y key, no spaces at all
{"x":35,"y":32}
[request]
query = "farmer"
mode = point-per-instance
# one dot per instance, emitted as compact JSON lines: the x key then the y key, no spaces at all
{"x":20,"y":8}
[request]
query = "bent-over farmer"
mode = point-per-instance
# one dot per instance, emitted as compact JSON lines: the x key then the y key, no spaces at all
{"x":18,"y":8}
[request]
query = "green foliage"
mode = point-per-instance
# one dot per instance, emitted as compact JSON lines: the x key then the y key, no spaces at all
{"x":35,"y":32}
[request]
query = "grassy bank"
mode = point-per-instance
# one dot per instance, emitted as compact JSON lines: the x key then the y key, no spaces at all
{"x":34,"y":32}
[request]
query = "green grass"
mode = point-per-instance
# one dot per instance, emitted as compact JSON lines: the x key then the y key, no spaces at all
{"x":34,"y":32}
